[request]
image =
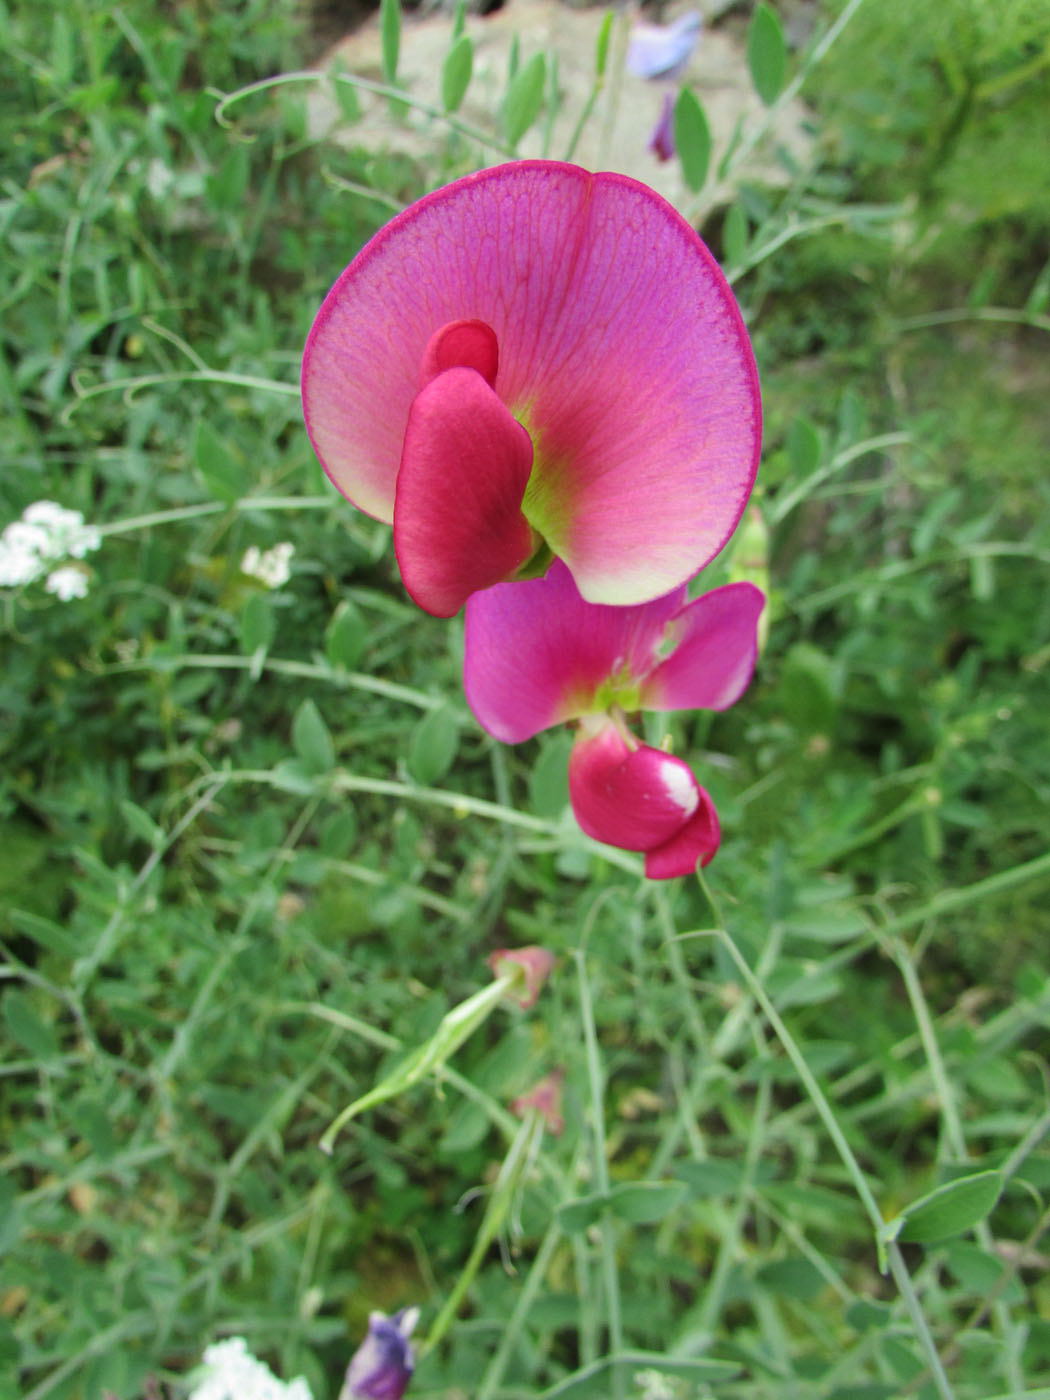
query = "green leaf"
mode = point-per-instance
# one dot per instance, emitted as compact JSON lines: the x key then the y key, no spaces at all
{"x":311,"y":739}
{"x":803,"y":445}
{"x":222,"y":474}
{"x":432,"y":749}
{"x":345,"y":639}
{"x":456,"y":72}
{"x":692,"y":139}
{"x":601,"y":48}
{"x":50,"y":935}
{"x":390,"y":34}
{"x":714,"y":1177}
{"x":766,"y":53}
{"x":27,"y":1027}
{"x":951,"y":1209}
{"x":292,"y":775}
{"x":735,"y":234}
{"x":339,"y":834}
{"x":345,"y":93}
{"x":549,"y":779}
{"x":142,"y":824}
{"x":645,"y":1202}
{"x":579,"y":1214}
{"x":257,"y":624}
{"x":524,"y":98}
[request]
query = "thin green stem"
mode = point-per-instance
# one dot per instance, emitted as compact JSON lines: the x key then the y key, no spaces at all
{"x":130,"y":387}
{"x":305,"y":670}
{"x":246,"y":503}
{"x":512,"y":1331}
{"x":809,"y":1081}
{"x":473,"y":133}
{"x":506,"y":1184}
{"x":906,"y":1288}
{"x":601,"y":1164}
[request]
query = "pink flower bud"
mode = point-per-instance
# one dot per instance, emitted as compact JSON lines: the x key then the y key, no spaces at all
{"x":536,"y":962}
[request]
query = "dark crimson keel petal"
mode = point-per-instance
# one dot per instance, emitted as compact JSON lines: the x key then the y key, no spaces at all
{"x":638,"y":799}
{"x":469,"y":344}
{"x":696,"y":843}
{"x":458,"y":524}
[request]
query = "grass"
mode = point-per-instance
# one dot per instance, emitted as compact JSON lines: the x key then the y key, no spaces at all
{"x":256,"y":847}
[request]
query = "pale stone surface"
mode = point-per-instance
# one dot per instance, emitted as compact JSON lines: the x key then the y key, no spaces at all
{"x":617,"y":135}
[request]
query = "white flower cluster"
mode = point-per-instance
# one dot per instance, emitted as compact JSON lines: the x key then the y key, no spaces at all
{"x":47,"y":534}
{"x":231,"y":1372}
{"x":272,"y":566}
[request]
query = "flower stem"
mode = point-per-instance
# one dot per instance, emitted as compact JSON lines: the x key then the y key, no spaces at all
{"x":601,"y":1169}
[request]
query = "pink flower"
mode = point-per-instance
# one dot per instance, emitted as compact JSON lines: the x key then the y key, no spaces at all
{"x":545,"y":1099}
{"x":536,"y":963}
{"x":537,"y":361}
{"x":537,"y":655}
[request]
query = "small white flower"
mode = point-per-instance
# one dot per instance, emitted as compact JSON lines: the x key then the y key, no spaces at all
{"x":230,"y":1372}
{"x":272,"y":566}
{"x":654,"y":1386}
{"x":67,"y":535}
{"x":67,"y":582}
{"x":20,"y":554}
{"x":46,"y":534}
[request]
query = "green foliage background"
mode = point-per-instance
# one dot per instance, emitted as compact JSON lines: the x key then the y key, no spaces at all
{"x":254,"y":844}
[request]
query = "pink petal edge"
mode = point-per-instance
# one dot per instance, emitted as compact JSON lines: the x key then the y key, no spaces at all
{"x":714,"y":642}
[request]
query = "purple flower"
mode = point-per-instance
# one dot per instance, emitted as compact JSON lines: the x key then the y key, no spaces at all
{"x":382,"y":1365}
{"x":661,"y":143}
{"x":663,"y":50}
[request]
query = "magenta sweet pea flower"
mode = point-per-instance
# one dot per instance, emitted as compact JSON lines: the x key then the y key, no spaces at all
{"x":532,"y":362}
{"x":537,"y":655}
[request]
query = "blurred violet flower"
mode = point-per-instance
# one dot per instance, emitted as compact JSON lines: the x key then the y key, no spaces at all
{"x":532,"y":362}
{"x":661,"y":143}
{"x":382,"y":1365}
{"x":663,"y":50}
{"x":537,"y":655}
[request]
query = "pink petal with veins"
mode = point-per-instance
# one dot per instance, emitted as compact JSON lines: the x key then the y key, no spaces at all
{"x":714,"y":645}
{"x":536,"y":654}
{"x":458,"y":524}
{"x":621,"y":350}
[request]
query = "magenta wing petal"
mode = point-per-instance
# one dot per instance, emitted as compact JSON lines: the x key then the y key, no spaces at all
{"x":696,"y":844}
{"x":458,"y":524}
{"x":536,"y":653}
{"x":715,"y":645}
{"x":621,"y":350}
{"x":637,"y":799}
